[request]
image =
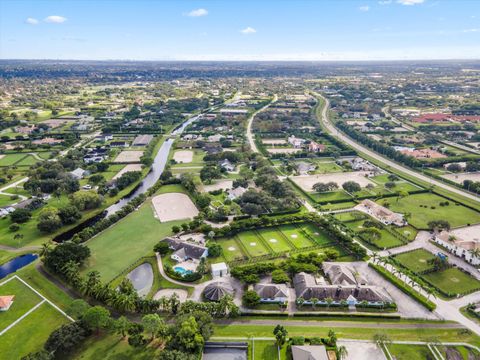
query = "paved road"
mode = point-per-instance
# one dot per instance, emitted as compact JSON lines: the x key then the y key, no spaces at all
{"x":164,"y":275}
{"x":333,"y":130}
{"x":250,"y":136}
{"x":12,"y":185}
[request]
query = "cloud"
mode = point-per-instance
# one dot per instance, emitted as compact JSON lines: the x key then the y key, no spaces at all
{"x":55,"y":19}
{"x":364,"y":8}
{"x":31,"y":21}
{"x":474,"y":30}
{"x":197,"y":13}
{"x":248,"y":30}
{"x":410,"y":2}
{"x":385,"y":2}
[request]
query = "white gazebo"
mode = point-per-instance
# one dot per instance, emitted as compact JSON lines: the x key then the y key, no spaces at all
{"x":219,"y":269}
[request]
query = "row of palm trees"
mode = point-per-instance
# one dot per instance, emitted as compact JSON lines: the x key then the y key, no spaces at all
{"x":405,"y":275}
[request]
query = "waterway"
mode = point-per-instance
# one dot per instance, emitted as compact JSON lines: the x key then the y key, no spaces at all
{"x":16,"y":264}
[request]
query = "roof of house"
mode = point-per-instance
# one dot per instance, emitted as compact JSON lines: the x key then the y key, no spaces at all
{"x":78,"y":172}
{"x":6,"y":300}
{"x":219,"y":266}
{"x":307,"y":288}
{"x":271,"y":291}
{"x":309,"y":352}
{"x":339,"y":274}
{"x":217,"y":290}
{"x":142,"y":140}
{"x":237,"y":192}
{"x":185,"y":249}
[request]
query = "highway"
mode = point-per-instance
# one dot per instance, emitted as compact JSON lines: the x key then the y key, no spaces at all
{"x":363,"y":149}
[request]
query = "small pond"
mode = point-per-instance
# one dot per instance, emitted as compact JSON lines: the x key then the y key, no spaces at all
{"x":15,"y":264}
{"x":142,"y":278}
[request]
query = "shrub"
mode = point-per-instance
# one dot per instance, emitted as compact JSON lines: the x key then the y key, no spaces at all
{"x":20,"y":216}
{"x":14,"y":227}
{"x":298,"y":340}
{"x":250,"y":299}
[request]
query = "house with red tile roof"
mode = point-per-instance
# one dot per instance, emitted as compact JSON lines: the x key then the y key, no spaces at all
{"x":6,"y":301}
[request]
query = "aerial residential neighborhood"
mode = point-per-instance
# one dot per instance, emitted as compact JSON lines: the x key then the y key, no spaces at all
{"x":226,"y":180}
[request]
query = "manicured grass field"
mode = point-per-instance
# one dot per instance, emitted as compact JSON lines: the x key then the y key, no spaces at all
{"x":318,"y":235}
{"x":275,"y":239}
{"x":456,"y":215}
{"x":231,"y":249}
{"x":325,"y":167}
{"x":296,"y":236}
{"x":331,"y":196}
{"x":416,"y":260}
{"x":30,"y":334}
{"x":11,"y":159}
{"x":27,"y":161}
{"x":409,"y":352}
{"x":6,"y":200}
{"x":252,"y":243}
{"x":25,"y":299}
{"x":453,"y":281}
{"x":120,"y":245}
{"x":387,"y":240}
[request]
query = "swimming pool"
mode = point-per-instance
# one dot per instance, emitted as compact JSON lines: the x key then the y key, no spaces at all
{"x":182,"y":271}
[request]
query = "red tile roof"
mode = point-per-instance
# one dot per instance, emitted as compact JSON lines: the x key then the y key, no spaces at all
{"x":5,"y":301}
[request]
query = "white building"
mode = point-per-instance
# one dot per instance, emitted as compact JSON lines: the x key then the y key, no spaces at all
{"x":463,"y":248}
{"x":219,"y":270}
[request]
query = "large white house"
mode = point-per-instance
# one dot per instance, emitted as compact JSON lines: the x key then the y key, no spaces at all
{"x":463,"y":248}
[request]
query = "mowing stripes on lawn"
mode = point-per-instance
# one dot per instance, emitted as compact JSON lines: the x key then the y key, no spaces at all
{"x":275,"y":239}
{"x":416,"y":260}
{"x":252,"y":243}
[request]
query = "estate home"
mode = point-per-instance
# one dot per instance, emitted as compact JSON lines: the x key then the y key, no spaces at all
{"x":309,"y":352}
{"x":381,"y":213}
{"x":185,"y":250}
{"x":272,"y":293}
{"x":346,"y":287}
{"x":464,"y":248}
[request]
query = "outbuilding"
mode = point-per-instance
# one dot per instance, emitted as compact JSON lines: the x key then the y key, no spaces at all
{"x":219,"y":269}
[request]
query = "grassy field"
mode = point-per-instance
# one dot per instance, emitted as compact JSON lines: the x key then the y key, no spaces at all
{"x":252,"y":243}
{"x":414,"y":334}
{"x":275,"y":239}
{"x":453,"y":281}
{"x":426,"y":207}
{"x":416,"y":260}
{"x":30,"y":334}
{"x":32,"y":331}
{"x":131,"y":238}
{"x":409,"y":352}
{"x":11,"y":159}
{"x":387,"y":240}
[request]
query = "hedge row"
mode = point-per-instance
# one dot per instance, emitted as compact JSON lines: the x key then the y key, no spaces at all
{"x":405,"y":288}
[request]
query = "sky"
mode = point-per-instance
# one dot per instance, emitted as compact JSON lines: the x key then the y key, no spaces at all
{"x":240,"y":30}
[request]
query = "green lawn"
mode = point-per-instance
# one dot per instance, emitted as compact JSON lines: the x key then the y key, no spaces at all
{"x":231,"y":249}
{"x":11,"y":159}
{"x":30,"y":334}
{"x":409,"y":352}
{"x":326,"y":197}
{"x":252,"y":243}
{"x":25,"y":299}
{"x":6,"y":200}
{"x":318,"y":235}
{"x":27,"y":161}
{"x":296,"y":236}
{"x":122,"y":244}
{"x":265,"y":350}
{"x":275,"y":239}
{"x":387,"y":240}
{"x":453,"y":281}
{"x":416,"y":260}
{"x":327,"y":167}
{"x":426,"y":207}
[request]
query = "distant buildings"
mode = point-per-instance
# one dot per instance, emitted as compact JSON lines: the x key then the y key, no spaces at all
{"x":295,"y":142}
{"x":79,"y":173}
{"x":467,"y":249}
{"x":142,"y":140}
{"x":316,"y":147}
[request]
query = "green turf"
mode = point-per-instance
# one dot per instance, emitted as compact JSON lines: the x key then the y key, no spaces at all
{"x":326,"y":197}
{"x":6,"y":200}
{"x":231,"y":249}
{"x":456,"y":215}
{"x":318,"y":235}
{"x":30,"y":334}
{"x":275,"y":239}
{"x":416,"y":260}
{"x":122,"y":244}
{"x":11,"y":159}
{"x":296,"y":236}
{"x":252,"y":243}
{"x":387,"y":240}
{"x":453,"y":281}
{"x":327,"y":167}
{"x":409,"y":352}
{"x":25,"y":299}
{"x":265,"y":350}
{"x":27,"y":161}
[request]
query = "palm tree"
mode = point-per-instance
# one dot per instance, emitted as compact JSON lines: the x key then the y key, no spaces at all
{"x":91,"y":284}
{"x":314,"y":302}
{"x":300,"y":301}
{"x":475,"y":252}
{"x":342,"y":352}
{"x":71,"y":272}
{"x":329,"y":301}
{"x":46,"y":247}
